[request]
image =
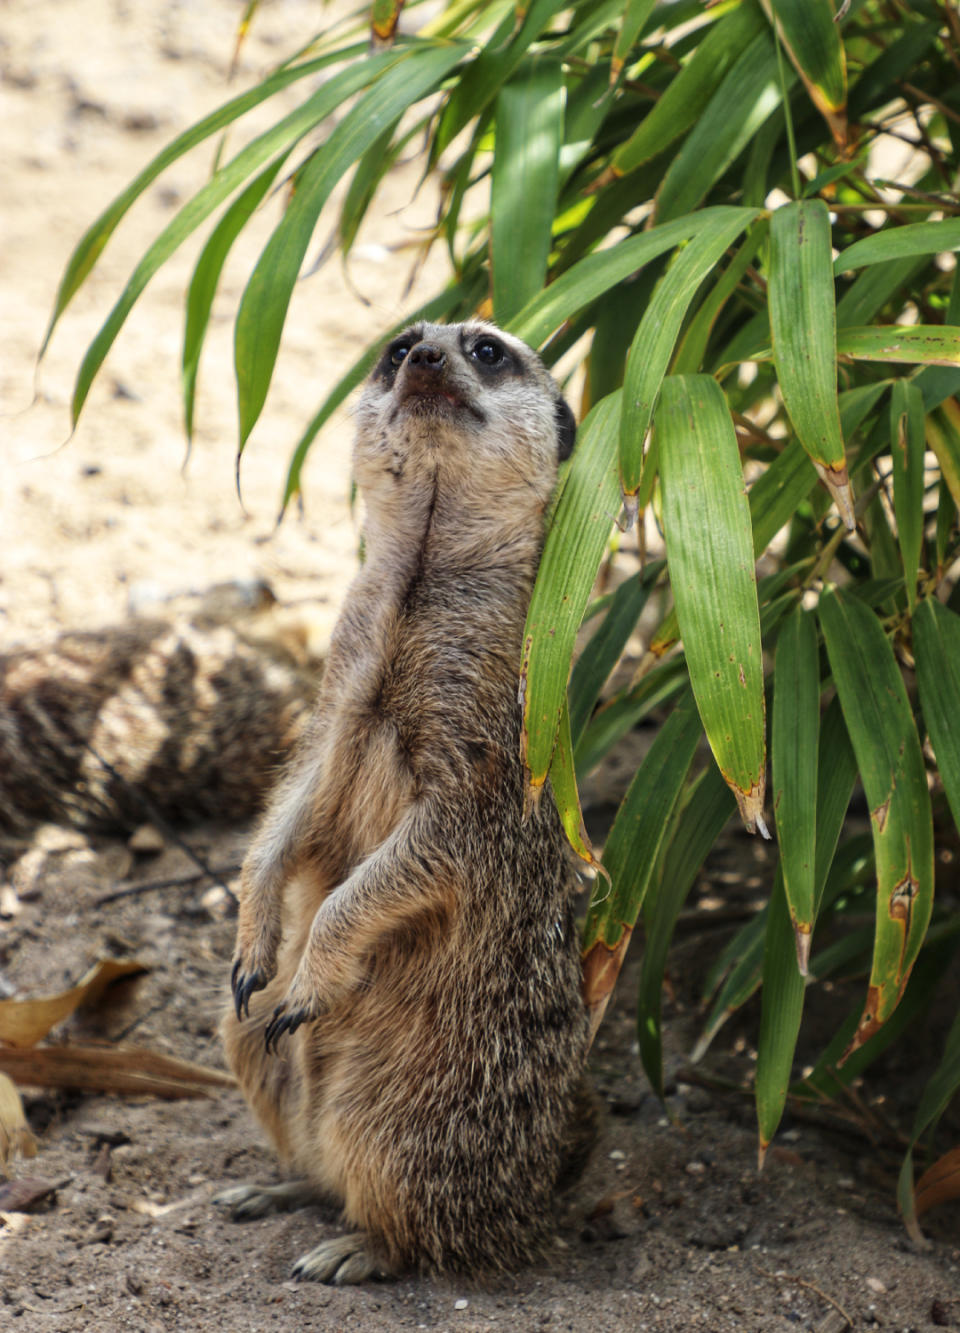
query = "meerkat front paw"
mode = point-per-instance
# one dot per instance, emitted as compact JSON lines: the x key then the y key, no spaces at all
{"x":287,"y":1017}
{"x":243,"y":982}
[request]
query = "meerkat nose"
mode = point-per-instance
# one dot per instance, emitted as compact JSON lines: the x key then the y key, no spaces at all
{"x":427,"y":356}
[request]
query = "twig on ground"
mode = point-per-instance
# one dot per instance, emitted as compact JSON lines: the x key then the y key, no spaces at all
{"x":810,"y":1286}
{"x":171,"y":882}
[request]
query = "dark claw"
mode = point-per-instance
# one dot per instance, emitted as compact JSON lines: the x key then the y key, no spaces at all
{"x":280,"y":1023}
{"x":243,"y":987}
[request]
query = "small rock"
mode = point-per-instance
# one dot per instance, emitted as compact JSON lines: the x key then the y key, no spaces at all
{"x":215,"y":901}
{"x":461,"y":1304}
{"x":10,"y":905}
{"x":875,"y":1285}
{"x":146,"y":841}
{"x":617,"y":1155}
{"x":101,"y":1231}
{"x":695,"y":1168}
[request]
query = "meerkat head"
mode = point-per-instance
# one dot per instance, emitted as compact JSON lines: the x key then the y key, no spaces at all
{"x":464,"y":403}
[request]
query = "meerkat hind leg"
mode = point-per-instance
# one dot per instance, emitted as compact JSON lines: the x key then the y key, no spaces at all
{"x":343,"y":1261}
{"x":249,"y":1201}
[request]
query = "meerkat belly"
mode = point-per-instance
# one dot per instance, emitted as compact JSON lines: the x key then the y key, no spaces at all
{"x":378,"y":789}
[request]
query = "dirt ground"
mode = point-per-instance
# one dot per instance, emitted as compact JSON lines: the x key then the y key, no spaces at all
{"x":672,"y":1227}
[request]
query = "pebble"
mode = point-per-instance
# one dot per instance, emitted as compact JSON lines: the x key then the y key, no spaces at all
{"x":9,"y":902}
{"x":461,"y":1304}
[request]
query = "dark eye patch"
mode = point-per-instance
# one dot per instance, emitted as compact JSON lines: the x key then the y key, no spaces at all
{"x":566,"y":429}
{"x":489,"y":354}
{"x":395,"y":352}
{"x":398,"y":352}
{"x":488,"y":351}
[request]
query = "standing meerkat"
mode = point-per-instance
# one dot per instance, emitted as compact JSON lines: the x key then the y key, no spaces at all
{"x":409,"y":1024}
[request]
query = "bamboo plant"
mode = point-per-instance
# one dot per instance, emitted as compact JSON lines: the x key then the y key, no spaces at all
{"x":683,"y":201}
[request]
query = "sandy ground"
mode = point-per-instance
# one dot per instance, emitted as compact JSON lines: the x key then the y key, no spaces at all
{"x":672,"y":1227}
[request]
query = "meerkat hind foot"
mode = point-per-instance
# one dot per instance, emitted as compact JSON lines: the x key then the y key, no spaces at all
{"x":343,"y":1261}
{"x":246,"y":1202}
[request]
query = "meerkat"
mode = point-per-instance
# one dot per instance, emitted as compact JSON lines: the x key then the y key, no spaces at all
{"x":408,"y":1022}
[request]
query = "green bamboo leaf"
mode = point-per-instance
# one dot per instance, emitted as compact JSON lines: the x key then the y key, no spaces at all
{"x":783,"y":985}
{"x":750,"y":91}
{"x":263,"y":307}
{"x":937,"y":1095}
{"x":803,"y":326}
{"x":654,"y":340}
{"x":857,"y":404}
{"x":287,"y":132}
{"x":902,"y":242}
{"x":936,"y":648}
{"x":706,"y":519}
{"x":440,"y":307}
{"x":907,"y":446}
{"x":914,"y":344}
{"x":480,"y":82}
{"x":943,"y":437}
{"x":874,"y":287}
{"x":896,"y":60}
{"x":523,"y":193}
{"x":614,"y":324}
{"x":809,"y":32}
{"x":634,"y":18}
{"x":693,"y":346}
{"x":835,"y":1069}
{"x":620,"y":715}
{"x":795,"y":734}
{"x":604,"y":649}
{"x":884,"y":737}
{"x":596,"y":274}
{"x":575,"y":543}
{"x":709,"y":805}
{"x":688,"y":93}
{"x":95,"y":238}
{"x":563,"y":784}
{"x":778,"y":490}
{"x":590,"y":22}
{"x":589,"y":98}
{"x":631,"y":852}
{"x":206,"y":278}
{"x":737,"y":976}
{"x":458,"y":180}
{"x":379,"y":158}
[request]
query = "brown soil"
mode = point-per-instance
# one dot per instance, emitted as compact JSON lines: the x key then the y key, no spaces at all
{"x":672,"y":1227}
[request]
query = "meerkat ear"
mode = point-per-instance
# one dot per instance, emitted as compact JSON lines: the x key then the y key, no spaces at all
{"x":566,"y":429}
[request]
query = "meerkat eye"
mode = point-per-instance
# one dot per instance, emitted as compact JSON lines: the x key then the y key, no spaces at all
{"x":398,"y":353}
{"x":488,"y":351}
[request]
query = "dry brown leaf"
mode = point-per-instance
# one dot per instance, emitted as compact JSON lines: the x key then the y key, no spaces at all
{"x":122,"y":1069}
{"x":15,"y":1136}
{"x":23,"y":1195}
{"x":940,"y":1183}
{"x":25,"y":1022}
